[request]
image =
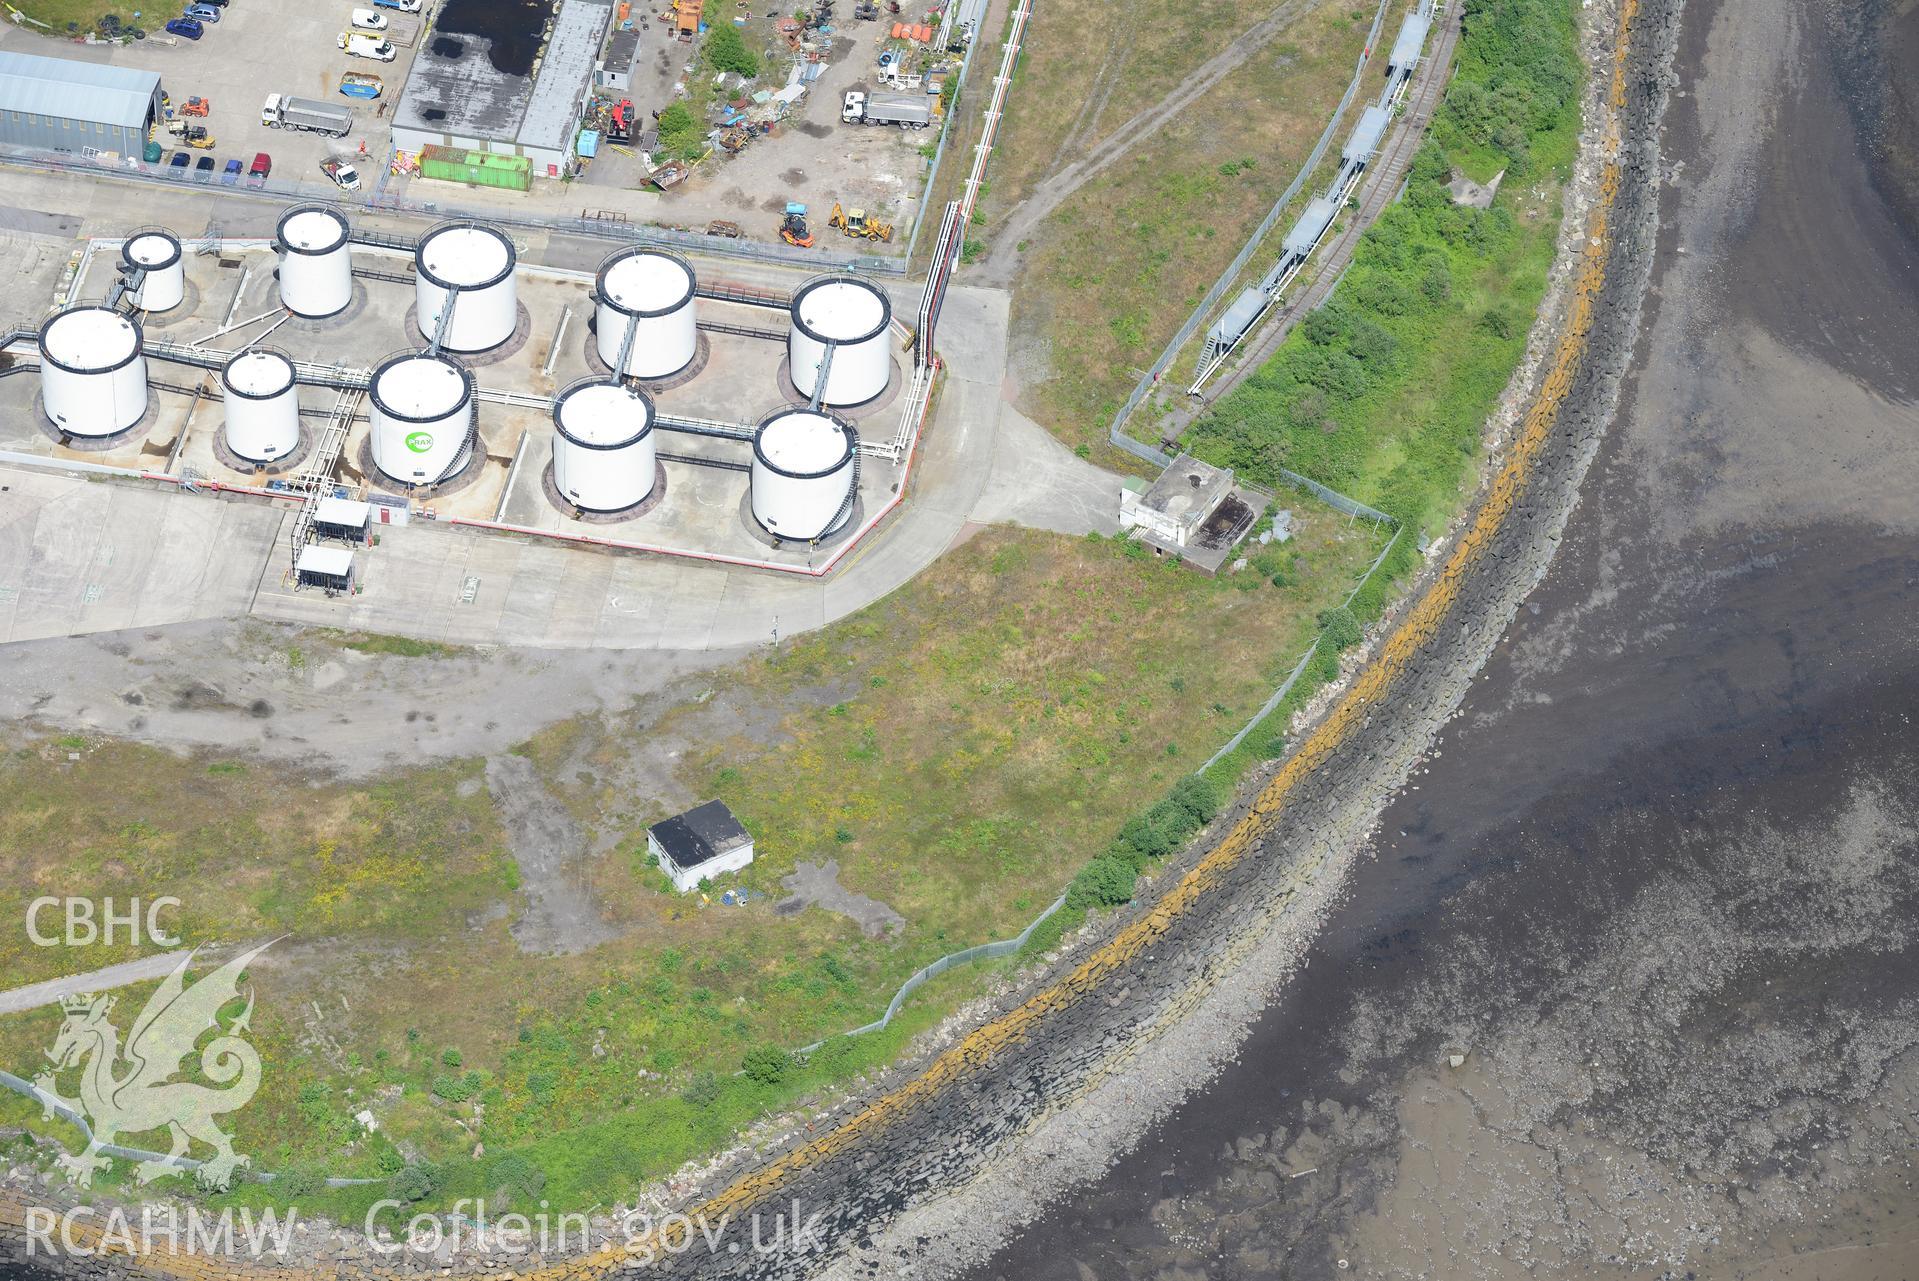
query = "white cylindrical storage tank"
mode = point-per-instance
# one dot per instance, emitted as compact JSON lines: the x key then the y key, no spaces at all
{"x":316,"y":261}
{"x":262,"y":405}
{"x":93,"y":371}
{"x":422,"y":417}
{"x":803,"y":473}
{"x":854,"y":316}
{"x":474,"y":263}
{"x":656,"y":290}
{"x":156,"y":251}
{"x":603,"y":445}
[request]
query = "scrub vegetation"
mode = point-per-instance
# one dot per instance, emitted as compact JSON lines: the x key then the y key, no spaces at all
{"x":1384,"y":392}
{"x":956,"y":748}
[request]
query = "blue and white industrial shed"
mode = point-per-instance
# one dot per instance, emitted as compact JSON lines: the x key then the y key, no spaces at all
{"x":57,"y":104}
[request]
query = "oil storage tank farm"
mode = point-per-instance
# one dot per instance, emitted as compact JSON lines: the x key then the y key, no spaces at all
{"x":604,"y":453}
{"x":316,"y":261}
{"x":655,"y":291}
{"x":803,"y":473}
{"x":93,"y":371}
{"x":262,"y":405}
{"x":156,"y":251}
{"x":422,"y":417}
{"x":469,"y":266}
{"x":852,"y":317}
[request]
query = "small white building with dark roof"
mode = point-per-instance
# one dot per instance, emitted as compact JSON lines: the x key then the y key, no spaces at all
{"x":705,"y":842}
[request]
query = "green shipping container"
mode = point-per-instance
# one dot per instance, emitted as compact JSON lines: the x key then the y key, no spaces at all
{"x":476,"y":168}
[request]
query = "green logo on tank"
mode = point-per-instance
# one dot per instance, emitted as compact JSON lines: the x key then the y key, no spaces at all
{"x":419,"y":441}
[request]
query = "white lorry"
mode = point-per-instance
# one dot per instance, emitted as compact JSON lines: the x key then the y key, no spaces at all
{"x":908,"y":111}
{"x":359,"y":44}
{"x":304,"y":115}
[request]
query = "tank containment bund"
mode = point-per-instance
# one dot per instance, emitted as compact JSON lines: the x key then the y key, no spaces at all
{"x":603,"y":445}
{"x":802,"y":473}
{"x":262,"y":404}
{"x":422,"y":417}
{"x":316,"y":261}
{"x":474,"y":262}
{"x":854,"y":316}
{"x":157,"y":251}
{"x":93,"y":371}
{"x":657,"y":289}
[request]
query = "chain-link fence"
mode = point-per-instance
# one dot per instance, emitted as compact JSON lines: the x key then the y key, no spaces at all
{"x":377,"y":201}
{"x":1150,"y":379}
{"x":966,"y":956}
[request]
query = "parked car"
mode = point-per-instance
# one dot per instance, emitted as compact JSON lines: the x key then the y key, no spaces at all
{"x":177,"y":167}
{"x":186,"y":28}
{"x":257,"y":172}
{"x":230,"y":176}
{"x":203,"y":171}
{"x":218,"y":4}
{"x":404,"y":6}
{"x":201,"y":13}
{"x":367,"y":20}
{"x":344,"y":176}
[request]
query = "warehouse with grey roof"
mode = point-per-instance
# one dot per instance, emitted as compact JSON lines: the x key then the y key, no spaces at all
{"x":56,"y":104}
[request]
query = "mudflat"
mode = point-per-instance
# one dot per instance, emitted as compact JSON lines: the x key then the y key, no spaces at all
{"x":1627,"y":985}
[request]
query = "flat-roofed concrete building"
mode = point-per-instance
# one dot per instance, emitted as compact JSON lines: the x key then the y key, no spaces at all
{"x":61,"y":105}
{"x":456,"y":97}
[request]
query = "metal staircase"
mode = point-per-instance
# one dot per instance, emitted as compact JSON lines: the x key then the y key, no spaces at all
{"x":821,"y":374}
{"x":315,"y":480}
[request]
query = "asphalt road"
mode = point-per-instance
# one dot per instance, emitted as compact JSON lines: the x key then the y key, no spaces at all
{"x":1657,"y":884}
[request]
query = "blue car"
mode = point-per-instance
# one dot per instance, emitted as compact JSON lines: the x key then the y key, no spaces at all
{"x":201,"y":13}
{"x":230,"y":176}
{"x":178,"y":166}
{"x":187,"y":28}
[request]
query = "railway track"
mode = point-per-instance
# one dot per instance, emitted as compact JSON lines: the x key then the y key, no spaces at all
{"x":1378,"y":191}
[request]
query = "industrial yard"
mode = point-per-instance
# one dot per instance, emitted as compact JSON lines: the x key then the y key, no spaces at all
{"x":554,"y":113}
{"x":541,"y":550}
{"x":301,"y":371}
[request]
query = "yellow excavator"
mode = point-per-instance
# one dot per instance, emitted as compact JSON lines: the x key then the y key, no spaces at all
{"x":855,"y":223}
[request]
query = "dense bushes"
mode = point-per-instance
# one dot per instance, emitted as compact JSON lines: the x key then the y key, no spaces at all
{"x":1382,"y":392}
{"x":1109,"y":878}
{"x":1518,"y":78}
{"x":726,"y":51}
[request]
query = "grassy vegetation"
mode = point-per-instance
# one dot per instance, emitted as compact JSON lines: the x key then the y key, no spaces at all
{"x":394,"y":646}
{"x":280,"y":855}
{"x":1088,"y":66}
{"x":64,"y":18}
{"x":1117,"y":267}
{"x":1384,"y":392}
{"x":957,"y":748}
